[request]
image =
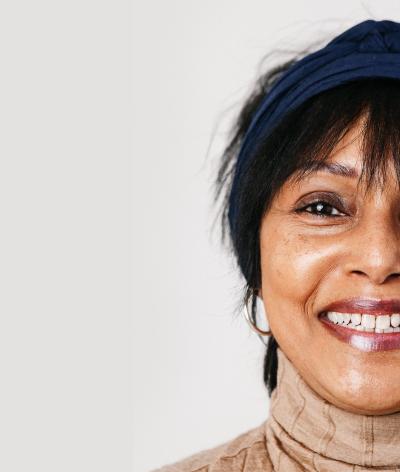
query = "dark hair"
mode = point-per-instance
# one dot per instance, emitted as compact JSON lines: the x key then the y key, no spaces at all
{"x":297,"y":145}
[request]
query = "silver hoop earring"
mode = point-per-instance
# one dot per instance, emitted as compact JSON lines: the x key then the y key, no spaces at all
{"x":246,"y":312}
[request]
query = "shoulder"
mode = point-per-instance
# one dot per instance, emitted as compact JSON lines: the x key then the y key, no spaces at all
{"x":245,"y":452}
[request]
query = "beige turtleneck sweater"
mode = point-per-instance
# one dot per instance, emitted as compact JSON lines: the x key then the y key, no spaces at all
{"x":304,"y":433}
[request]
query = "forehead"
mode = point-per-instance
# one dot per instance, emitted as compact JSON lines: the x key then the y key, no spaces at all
{"x":345,"y":160}
{"x":352,"y":157}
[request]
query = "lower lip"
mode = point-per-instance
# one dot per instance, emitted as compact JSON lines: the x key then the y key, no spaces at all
{"x":363,"y":340}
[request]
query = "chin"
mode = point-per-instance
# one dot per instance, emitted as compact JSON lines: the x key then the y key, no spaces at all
{"x":376,"y":397}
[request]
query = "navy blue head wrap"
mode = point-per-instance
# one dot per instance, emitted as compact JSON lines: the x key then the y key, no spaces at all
{"x":368,"y":49}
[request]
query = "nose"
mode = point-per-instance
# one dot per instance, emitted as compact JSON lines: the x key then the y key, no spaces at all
{"x":376,"y":251}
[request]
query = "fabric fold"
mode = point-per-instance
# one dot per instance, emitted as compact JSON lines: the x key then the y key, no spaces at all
{"x":306,"y":432}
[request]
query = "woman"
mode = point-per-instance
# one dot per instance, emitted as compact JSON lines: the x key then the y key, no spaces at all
{"x":312,"y":205}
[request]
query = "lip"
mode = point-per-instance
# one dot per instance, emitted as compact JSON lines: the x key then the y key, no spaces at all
{"x":372,"y":306}
{"x":364,"y":341}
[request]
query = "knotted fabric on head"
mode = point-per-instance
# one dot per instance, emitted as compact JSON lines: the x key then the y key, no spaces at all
{"x":368,"y":49}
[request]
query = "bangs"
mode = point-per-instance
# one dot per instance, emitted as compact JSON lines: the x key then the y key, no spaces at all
{"x":371,"y":104}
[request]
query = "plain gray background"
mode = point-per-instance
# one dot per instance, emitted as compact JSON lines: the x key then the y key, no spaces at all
{"x":197,"y":370}
{"x":66,"y":244}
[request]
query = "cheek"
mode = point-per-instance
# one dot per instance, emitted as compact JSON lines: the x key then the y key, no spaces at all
{"x":293,"y":269}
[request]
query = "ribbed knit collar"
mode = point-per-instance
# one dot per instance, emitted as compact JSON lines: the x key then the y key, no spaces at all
{"x":305,"y":432}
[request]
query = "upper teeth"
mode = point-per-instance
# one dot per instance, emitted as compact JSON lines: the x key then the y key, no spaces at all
{"x":362,"y":321}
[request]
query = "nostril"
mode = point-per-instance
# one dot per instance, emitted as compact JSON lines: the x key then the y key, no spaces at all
{"x":395,"y":275}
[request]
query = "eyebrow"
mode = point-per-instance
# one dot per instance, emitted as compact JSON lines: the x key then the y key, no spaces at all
{"x":336,"y":169}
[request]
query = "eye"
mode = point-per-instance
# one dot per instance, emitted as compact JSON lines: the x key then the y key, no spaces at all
{"x":321,"y":208}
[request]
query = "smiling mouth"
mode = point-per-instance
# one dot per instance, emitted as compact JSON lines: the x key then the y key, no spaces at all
{"x":363,"y":322}
{"x":365,"y":332}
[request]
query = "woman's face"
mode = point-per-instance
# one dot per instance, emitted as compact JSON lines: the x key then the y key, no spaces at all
{"x":350,"y":257}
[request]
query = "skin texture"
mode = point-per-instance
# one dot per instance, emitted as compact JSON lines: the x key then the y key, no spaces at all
{"x":309,"y":261}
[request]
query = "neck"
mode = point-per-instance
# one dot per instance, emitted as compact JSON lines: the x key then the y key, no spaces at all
{"x":303,"y":427}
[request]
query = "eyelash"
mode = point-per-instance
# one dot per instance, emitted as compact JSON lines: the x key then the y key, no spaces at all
{"x":319,"y":215}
